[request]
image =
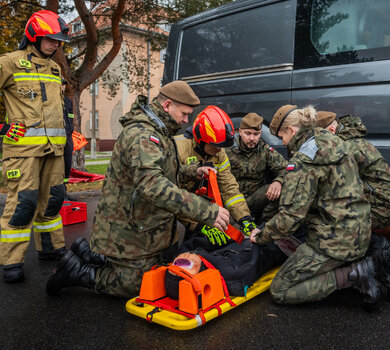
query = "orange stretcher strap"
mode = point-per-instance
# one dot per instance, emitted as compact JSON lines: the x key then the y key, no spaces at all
{"x":213,"y":192}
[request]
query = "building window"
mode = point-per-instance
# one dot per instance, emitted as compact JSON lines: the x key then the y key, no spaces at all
{"x":96,"y":120}
{"x":78,"y":27}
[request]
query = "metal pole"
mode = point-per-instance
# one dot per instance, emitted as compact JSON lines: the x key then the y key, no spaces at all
{"x":93,"y":139}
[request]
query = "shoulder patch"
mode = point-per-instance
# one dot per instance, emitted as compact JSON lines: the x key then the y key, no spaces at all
{"x":25,"y":63}
{"x":154,"y":139}
{"x":290,"y":167}
{"x":191,"y":160}
{"x":309,"y":148}
{"x":270,"y":148}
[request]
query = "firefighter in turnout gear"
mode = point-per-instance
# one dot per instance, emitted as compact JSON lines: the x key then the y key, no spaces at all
{"x":204,"y":145}
{"x":33,"y":144}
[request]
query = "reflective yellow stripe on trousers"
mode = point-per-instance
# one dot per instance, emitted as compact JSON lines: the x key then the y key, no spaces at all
{"x":48,"y":226}
{"x":40,"y":136}
{"x":234,"y":200}
{"x":15,"y":235}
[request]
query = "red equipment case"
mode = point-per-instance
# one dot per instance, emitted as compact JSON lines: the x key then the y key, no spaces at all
{"x":73,"y":212}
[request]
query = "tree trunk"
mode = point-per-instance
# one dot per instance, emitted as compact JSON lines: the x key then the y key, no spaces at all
{"x":78,"y":161}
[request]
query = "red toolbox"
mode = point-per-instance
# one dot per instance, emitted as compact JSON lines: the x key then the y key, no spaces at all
{"x":73,"y":212}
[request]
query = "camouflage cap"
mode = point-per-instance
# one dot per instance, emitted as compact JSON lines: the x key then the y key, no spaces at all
{"x":251,"y":121}
{"x":325,"y":118}
{"x":181,"y":92}
{"x":279,"y":117}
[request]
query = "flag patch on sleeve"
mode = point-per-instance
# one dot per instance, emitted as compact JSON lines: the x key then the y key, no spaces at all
{"x":154,"y":139}
{"x":290,"y":167}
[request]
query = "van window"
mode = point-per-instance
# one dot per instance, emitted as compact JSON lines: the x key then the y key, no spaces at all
{"x":237,"y":41}
{"x":341,"y":31}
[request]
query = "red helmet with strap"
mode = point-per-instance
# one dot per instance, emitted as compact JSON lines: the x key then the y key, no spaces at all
{"x":46,"y":23}
{"x":213,"y":126}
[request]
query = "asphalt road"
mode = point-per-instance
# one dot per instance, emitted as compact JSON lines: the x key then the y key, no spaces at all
{"x":80,"y":319}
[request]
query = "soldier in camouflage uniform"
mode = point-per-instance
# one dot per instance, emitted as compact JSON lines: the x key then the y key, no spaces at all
{"x":252,"y":163}
{"x":373,"y":169}
{"x":211,"y":132}
{"x":322,"y":186}
{"x":135,"y":220}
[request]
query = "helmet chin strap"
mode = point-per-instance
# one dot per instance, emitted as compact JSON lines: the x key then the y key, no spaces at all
{"x":37,"y":45}
{"x":200,"y":149}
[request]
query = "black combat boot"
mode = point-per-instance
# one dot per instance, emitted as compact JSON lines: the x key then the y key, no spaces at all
{"x":362,"y":277}
{"x":81,"y":248}
{"x":55,"y":254}
{"x":13,"y":273}
{"x":382,"y":265}
{"x":71,"y":272}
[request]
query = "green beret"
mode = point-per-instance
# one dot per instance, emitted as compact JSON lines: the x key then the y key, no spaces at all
{"x":251,"y":121}
{"x":325,"y":118}
{"x":181,"y":92}
{"x":279,"y":117}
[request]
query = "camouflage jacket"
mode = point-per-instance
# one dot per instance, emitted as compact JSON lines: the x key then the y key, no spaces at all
{"x":135,"y":217}
{"x":322,"y":186}
{"x":252,"y":168}
{"x":373,"y":169}
{"x":232,"y":198}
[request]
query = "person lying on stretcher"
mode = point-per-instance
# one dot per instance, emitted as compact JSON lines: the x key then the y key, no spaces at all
{"x":239,"y":264}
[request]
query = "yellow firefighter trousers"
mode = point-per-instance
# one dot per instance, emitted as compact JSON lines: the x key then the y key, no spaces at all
{"x":34,"y":199}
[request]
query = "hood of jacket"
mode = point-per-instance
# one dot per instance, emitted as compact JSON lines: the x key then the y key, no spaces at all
{"x":350,"y":127}
{"x":137,"y":115}
{"x":317,"y":146}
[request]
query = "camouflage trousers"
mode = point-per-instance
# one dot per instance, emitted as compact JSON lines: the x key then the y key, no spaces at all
{"x":261,"y":208}
{"x":123,"y":277}
{"x":380,"y":212}
{"x":305,"y":276}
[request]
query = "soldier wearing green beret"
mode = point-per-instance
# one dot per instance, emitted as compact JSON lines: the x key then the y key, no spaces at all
{"x":321,"y":187}
{"x":135,"y":220}
{"x":252,"y":161}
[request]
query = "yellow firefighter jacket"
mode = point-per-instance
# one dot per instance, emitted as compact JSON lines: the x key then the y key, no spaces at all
{"x":232,"y":198}
{"x":31,"y":87}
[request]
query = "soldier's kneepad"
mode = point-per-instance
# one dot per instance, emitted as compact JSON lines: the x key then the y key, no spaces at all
{"x":25,"y":209}
{"x":57,"y":195}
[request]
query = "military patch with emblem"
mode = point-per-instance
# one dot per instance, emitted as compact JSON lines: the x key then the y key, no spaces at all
{"x":25,"y":63}
{"x":154,"y":139}
{"x":270,"y":148}
{"x":290,"y":167}
{"x":55,"y":72}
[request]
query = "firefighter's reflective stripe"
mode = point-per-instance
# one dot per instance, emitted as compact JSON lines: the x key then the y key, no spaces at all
{"x":40,"y":136}
{"x":48,"y":226}
{"x":15,"y":235}
{"x":37,"y":77}
{"x":234,"y":200}
{"x":224,"y":165}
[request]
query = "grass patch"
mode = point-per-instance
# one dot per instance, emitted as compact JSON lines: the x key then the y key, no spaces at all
{"x":96,"y":168}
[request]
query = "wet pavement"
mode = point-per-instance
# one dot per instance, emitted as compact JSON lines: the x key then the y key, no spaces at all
{"x":80,"y":319}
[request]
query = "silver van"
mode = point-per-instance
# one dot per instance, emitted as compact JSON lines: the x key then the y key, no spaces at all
{"x":254,"y":56}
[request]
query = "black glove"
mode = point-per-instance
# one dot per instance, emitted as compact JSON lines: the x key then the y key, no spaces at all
{"x":247,"y":225}
{"x":215,"y":236}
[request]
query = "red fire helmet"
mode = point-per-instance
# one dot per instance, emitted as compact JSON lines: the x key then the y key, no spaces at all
{"x":213,"y":126}
{"x":46,"y":23}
